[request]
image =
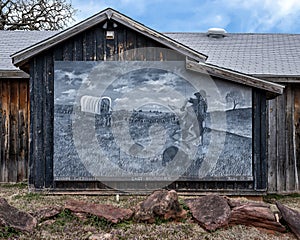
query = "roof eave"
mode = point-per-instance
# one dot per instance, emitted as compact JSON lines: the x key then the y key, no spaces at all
{"x":19,"y":57}
{"x":272,"y":89}
{"x":279,"y":78}
{"x":22,"y":56}
{"x":14,"y":73}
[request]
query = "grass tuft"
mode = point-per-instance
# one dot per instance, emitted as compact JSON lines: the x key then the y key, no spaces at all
{"x":99,"y":222}
{"x":8,"y":232}
{"x":29,"y":196}
{"x":20,"y":185}
{"x":270,"y":198}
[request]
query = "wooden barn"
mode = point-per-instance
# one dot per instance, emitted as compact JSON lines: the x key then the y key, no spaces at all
{"x":14,"y":102}
{"x":109,"y":100}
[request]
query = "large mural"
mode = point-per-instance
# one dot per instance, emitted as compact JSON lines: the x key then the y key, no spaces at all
{"x":149,"y":121}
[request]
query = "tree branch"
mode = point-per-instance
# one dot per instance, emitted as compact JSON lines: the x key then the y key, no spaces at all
{"x":35,"y":14}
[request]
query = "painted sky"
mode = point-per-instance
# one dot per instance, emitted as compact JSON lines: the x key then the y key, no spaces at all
{"x":141,"y":86}
{"x":252,"y":16}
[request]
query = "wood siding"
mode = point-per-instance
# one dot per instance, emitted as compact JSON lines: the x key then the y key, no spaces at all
{"x":14,"y":119}
{"x":92,"y":45}
{"x":283,"y":146}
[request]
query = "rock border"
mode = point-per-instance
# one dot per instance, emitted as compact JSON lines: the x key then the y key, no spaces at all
{"x":211,"y":212}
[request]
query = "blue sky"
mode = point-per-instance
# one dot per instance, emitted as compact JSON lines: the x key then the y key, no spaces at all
{"x":256,"y":16}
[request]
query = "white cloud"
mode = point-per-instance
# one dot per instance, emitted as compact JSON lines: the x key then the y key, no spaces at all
{"x":280,"y":14}
{"x":87,"y":9}
{"x":264,"y":15}
{"x":195,"y":15}
{"x":122,"y":89}
{"x":124,"y":100}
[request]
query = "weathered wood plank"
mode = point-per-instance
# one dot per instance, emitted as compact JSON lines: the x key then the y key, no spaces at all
{"x":110,"y":49}
{"x":290,"y":176}
{"x":256,"y":139}
{"x":281,"y":149}
{"x":78,"y":48}
{"x":5,"y":131}
{"x":48,"y":111}
{"x":13,"y":162}
{"x":90,"y":46}
{"x":19,"y":160}
{"x":297,"y":135}
{"x":115,"y":57}
{"x":99,"y":35}
{"x":38,"y":118}
{"x":23,"y":126}
{"x":141,"y":51}
{"x":121,"y":44}
{"x":22,"y":159}
{"x":58,"y":53}
{"x":32,"y":141}
{"x":151,"y":50}
{"x":13,"y":137}
{"x":259,"y":140}
{"x":6,"y":101}
{"x":2,"y":162}
{"x":295,"y":184}
{"x":263,"y":140}
{"x":68,"y":51}
{"x":130,"y":45}
{"x":272,"y":146}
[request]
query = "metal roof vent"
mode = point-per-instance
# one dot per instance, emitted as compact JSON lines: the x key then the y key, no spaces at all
{"x":216,"y":32}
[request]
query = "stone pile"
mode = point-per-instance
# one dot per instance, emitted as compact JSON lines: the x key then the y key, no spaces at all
{"x":211,"y":212}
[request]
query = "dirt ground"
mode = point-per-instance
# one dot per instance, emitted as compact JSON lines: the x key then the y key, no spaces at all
{"x":68,"y":226}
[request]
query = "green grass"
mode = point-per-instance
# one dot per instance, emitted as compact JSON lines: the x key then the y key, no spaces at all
{"x":160,"y":221}
{"x":99,"y":222}
{"x":270,"y":198}
{"x":8,"y":232}
{"x":126,"y":224}
{"x":20,"y":185}
{"x":66,"y":215}
{"x":62,"y":221}
{"x":29,"y":196}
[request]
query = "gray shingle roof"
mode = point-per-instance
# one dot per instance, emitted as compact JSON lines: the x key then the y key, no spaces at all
{"x":13,"y":41}
{"x":255,"y":54}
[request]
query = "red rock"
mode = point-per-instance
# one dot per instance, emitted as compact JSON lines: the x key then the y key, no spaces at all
{"x":211,"y":212}
{"x":257,"y":215}
{"x":161,"y":204}
{"x":237,"y":203}
{"x":47,"y":213}
{"x":109,"y":212}
{"x":14,"y":218}
{"x":291,"y":217}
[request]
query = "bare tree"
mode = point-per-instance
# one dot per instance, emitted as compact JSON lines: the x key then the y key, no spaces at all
{"x":35,"y":14}
{"x":234,"y":97}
